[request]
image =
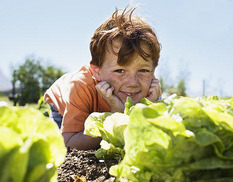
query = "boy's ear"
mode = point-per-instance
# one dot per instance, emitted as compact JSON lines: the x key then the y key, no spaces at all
{"x":95,"y":70}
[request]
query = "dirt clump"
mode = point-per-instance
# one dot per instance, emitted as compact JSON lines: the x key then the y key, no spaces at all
{"x":83,"y":166}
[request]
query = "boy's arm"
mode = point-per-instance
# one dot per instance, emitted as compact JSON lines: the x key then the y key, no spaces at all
{"x":81,"y":141}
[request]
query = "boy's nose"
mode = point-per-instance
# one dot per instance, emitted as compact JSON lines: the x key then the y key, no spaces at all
{"x":132,"y":80}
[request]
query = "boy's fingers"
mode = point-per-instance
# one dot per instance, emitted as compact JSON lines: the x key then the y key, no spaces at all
{"x":105,"y":86}
{"x":109,"y":91}
{"x":102,"y":86}
{"x":155,"y":83}
{"x":155,"y":80}
{"x":105,"y":90}
{"x":152,"y":89}
{"x":101,"y":83}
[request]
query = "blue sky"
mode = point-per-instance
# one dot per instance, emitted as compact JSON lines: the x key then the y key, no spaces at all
{"x":196,"y":37}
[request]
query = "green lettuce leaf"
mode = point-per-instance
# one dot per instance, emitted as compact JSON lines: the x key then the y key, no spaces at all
{"x":128,"y":105}
{"x":29,"y":141}
{"x":109,"y":151}
{"x":94,"y":123}
{"x":109,"y":126}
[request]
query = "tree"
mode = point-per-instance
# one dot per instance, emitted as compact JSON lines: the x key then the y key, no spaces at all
{"x":50,"y":75}
{"x":164,"y":85}
{"x":181,"y":89}
{"x":34,"y":80}
{"x":168,"y":80}
{"x":183,"y":76}
{"x":13,"y":96}
{"x":29,"y":75}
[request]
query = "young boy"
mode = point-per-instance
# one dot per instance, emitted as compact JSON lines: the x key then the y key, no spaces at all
{"x":125,"y":52}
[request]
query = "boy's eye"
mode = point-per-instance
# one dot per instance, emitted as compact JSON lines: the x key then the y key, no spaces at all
{"x":144,"y":70}
{"x":119,"y":71}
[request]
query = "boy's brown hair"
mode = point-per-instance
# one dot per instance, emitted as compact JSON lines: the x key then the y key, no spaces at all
{"x":132,"y":31}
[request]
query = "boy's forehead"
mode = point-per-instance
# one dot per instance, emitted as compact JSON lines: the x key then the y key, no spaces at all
{"x":137,"y":61}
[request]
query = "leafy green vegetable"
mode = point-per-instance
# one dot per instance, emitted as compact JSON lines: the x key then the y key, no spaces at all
{"x":175,"y":139}
{"x":107,"y":125}
{"x":111,"y":127}
{"x":43,"y":106}
{"x":94,"y":123}
{"x":128,"y":105}
{"x":109,"y":151}
{"x":31,"y":146}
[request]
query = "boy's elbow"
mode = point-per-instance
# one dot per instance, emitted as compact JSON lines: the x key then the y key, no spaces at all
{"x":67,"y":137}
{"x":81,"y":141}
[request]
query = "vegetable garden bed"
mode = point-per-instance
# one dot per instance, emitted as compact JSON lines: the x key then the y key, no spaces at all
{"x":175,"y":139}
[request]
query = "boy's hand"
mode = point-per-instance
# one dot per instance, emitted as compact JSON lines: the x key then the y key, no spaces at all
{"x":106,"y":91}
{"x":154,"y":90}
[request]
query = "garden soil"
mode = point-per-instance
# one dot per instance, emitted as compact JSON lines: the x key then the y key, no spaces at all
{"x":83,"y":166}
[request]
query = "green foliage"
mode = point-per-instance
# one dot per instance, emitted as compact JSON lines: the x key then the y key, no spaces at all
{"x":180,"y":90}
{"x":31,"y":146}
{"x":129,"y":104}
{"x":43,"y":106}
{"x":29,"y":75}
{"x":176,"y":139}
{"x":164,"y":86}
{"x":50,"y":75}
{"x":109,"y":151}
{"x":34,"y":80}
{"x":109,"y":126}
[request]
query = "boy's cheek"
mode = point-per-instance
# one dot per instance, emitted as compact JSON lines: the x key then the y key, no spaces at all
{"x":146,"y":76}
{"x":113,"y":80}
{"x":146,"y":80}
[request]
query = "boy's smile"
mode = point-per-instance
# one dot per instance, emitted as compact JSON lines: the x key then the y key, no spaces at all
{"x":131,"y":80}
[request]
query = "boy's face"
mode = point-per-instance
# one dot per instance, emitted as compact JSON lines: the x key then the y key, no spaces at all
{"x":132,"y":80}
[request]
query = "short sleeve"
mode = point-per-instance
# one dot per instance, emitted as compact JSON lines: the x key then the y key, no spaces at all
{"x":78,"y":107}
